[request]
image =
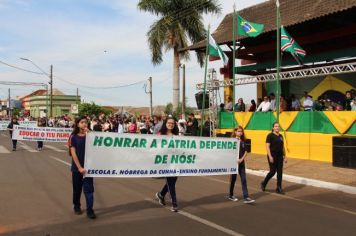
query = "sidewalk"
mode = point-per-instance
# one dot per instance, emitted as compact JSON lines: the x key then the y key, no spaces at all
{"x":307,"y":169}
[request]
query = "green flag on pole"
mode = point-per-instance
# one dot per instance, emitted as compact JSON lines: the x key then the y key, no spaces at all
{"x":249,"y":29}
{"x":215,"y":52}
{"x":288,"y":44}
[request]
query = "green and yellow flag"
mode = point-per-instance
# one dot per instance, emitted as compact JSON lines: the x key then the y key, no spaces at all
{"x":249,"y":29}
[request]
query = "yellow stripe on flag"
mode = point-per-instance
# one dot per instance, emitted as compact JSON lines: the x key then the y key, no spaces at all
{"x":342,"y":120}
{"x":286,"y":118}
{"x":243,"y":118}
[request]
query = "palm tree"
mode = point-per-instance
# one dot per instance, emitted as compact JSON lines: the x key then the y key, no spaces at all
{"x":179,"y":20}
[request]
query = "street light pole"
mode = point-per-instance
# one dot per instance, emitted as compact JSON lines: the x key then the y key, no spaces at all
{"x":183,"y":95}
{"x":51,"y":97}
{"x":50,"y":76}
{"x":9,"y":105}
{"x":150,"y":91}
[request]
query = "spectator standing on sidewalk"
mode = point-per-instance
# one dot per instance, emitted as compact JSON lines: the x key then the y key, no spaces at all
{"x":276,"y":156}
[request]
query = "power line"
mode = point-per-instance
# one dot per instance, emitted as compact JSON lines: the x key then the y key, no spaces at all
{"x":19,"y":68}
{"x":96,"y":87}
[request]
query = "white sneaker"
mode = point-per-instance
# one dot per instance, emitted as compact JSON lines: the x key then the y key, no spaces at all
{"x":233,"y":198}
{"x":249,"y":200}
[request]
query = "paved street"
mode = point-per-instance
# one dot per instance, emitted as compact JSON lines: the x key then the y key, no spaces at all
{"x":35,"y":199}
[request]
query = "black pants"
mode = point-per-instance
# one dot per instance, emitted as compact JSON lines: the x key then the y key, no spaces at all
{"x":276,"y":166}
{"x":87,"y":184}
{"x":171,"y":187}
{"x":39,"y":144}
{"x":14,"y":143}
{"x":242,"y":173}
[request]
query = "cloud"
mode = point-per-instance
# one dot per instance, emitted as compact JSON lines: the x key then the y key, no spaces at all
{"x":73,"y":36}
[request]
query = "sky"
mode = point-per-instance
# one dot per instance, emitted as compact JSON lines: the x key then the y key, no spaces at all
{"x":93,"y":45}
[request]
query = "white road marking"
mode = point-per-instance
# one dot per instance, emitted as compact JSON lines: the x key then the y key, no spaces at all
{"x":26,"y":147}
{"x":3,"y":149}
{"x":53,"y":148}
{"x":59,"y":160}
{"x":202,"y":221}
{"x":307,"y":181}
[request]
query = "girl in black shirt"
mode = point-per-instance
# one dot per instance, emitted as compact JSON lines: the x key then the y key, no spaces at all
{"x":240,"y":135}
{"x":10,"y":128}
{"x":275,"y":156}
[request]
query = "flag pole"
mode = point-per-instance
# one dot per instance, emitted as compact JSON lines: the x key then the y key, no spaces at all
{"x":233,"y":56}
{"x":205,"y":74}
{"x":278,"y":48}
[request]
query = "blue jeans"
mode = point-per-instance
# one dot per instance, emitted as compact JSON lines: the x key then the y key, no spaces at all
{"x":242,"y":173}
{"x":171,"y":187}
{"x":79,"y":184}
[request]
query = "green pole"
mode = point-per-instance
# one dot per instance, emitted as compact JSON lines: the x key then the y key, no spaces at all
{"x":278,"y":48}
{"x":233,"y":57}
{"x":204,"y":90}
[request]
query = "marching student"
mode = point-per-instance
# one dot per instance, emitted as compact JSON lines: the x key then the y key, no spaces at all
{"x":276,"y":155}
{"x":41,"y":122}
{"x":240,"y":135}
{"x":10,"y":128}
{"x":77,"y":152}
{"x":169,"y":127}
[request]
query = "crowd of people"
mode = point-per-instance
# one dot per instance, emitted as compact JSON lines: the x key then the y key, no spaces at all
{"x":291,"y":103}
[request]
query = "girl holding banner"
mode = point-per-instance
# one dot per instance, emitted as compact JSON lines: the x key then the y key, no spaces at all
{"x":169,"y":128}
{"x":77,"y":151}
{"x":10,"y":127}
{"x":240,"y":135}
{"x":41,"y":122}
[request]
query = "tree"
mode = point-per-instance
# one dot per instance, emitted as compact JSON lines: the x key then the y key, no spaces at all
{"x":91,"y":109}
{"x":169,"y":110}
{"x":179,"y":20}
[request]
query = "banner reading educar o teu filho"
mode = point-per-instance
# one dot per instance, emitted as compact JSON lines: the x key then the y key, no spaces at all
{"x":130,"y":155}
{"x":45,"y":134}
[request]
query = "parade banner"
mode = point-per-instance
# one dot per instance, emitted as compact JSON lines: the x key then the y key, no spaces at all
{"x":131,"y":155}
{"x":28,"y":123}
{"x":45,"y":134}
{"x":5,"y":123}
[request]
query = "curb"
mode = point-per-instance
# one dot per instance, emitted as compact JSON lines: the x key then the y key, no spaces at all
{"x":309,"y":182}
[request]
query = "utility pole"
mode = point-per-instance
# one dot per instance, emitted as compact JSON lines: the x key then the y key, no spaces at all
{"x":150,"y":92}
{"x":77,"y":96}
{"x":51,"y":92}
{"x":183,"y":101}
{"x":9,"y":99}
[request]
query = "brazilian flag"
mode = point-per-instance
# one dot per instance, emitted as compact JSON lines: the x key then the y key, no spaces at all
{"x":249,"y":29}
